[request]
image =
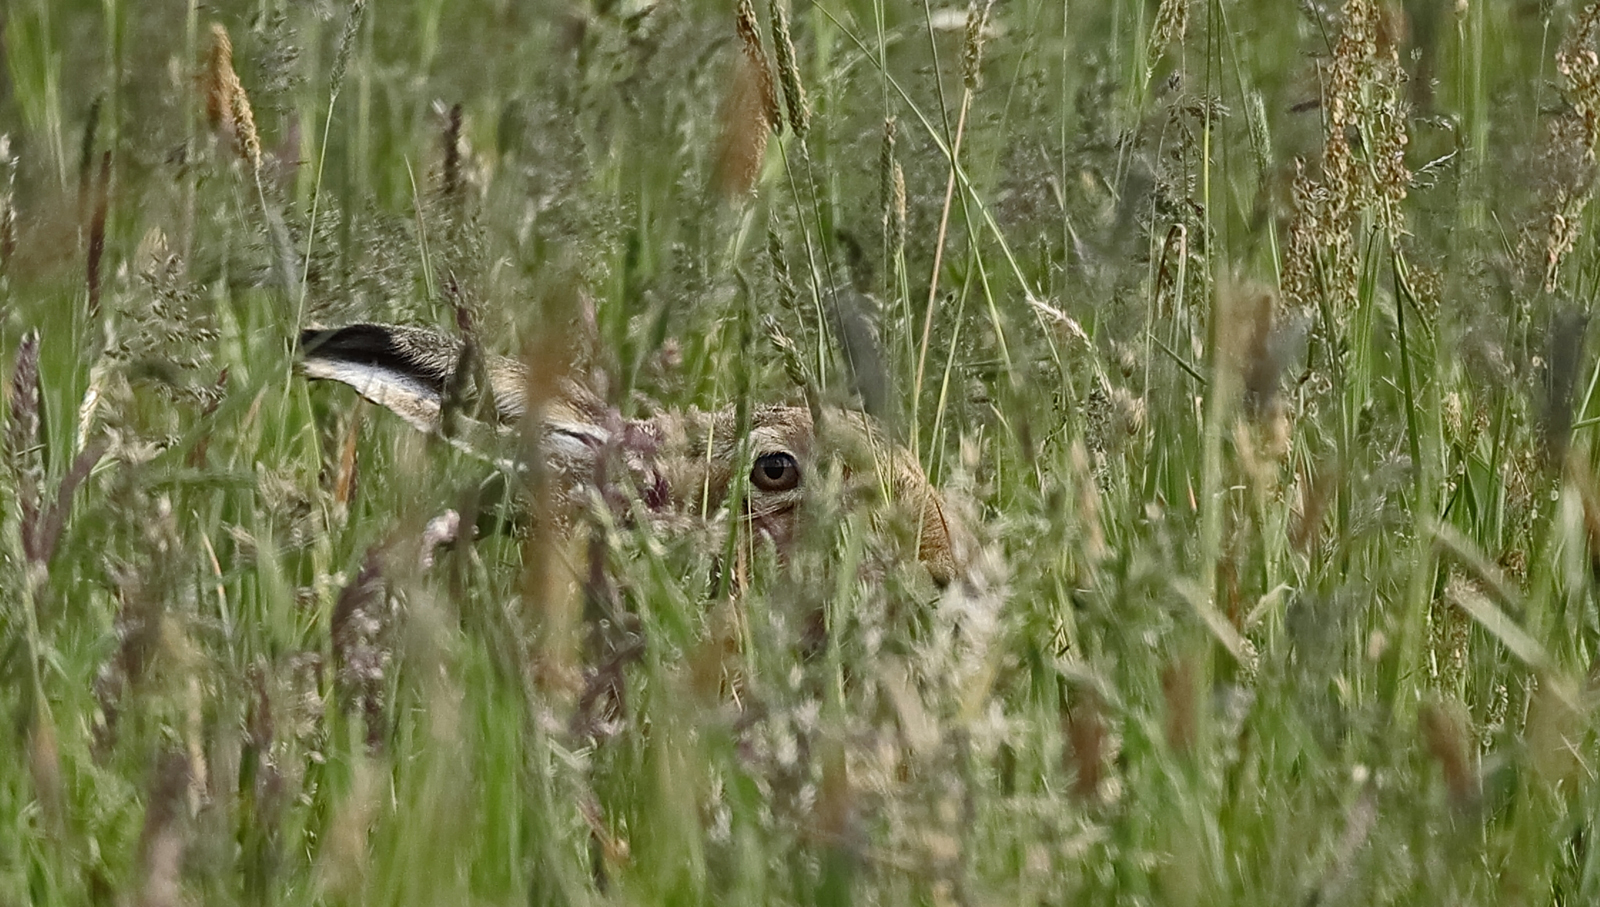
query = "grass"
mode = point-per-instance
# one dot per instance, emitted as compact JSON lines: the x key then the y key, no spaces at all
{"x":1249,"y":335}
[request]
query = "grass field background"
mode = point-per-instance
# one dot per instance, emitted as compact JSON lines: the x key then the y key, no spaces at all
{"x":1248,"y":335}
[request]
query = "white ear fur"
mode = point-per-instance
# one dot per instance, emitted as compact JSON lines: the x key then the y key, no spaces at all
{"x":406,"y":396}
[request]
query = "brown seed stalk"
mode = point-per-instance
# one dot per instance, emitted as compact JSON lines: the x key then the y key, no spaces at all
{"x":228,"y":107}
{"x":97,"y":234}
{"x":749,"y":110}
{"x":221,"y":84}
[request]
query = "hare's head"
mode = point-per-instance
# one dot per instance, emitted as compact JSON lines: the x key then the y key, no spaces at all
{"x":684,"y":466}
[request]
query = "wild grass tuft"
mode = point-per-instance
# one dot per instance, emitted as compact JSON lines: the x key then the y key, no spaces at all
{"x":1249,"y":340}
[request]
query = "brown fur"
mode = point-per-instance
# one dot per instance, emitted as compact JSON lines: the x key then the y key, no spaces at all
{"x":682,"y":464}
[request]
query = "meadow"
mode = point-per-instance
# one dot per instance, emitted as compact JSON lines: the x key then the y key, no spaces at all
{"x":1247,"y":337}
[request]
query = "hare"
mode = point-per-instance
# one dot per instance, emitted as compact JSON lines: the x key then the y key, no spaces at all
{"x":682,"y":464}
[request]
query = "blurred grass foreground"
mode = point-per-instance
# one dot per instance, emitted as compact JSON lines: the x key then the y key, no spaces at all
{"x":1247,"y":337}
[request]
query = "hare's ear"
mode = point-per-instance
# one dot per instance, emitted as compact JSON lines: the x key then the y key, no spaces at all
{"x":401,"y":369}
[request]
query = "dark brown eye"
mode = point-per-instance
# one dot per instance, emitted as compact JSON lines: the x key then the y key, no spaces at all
{"x":775,"y":472}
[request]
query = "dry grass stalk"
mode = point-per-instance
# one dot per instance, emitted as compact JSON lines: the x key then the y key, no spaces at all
{"x":1087,"y":741}
{"x":1301,"y":278}
{"x":897,"y":234}
{"x":1362,"y":98}
{"x":1558,"y":730}
{"x":794,"y":93}
{"x":164,"y":839}
{"x":361,"y":649}
{"x":1449,"y":634}
{"x":743,"y":145}
{"x":1570,"y":150}
{"x":1447,"y":732}
{"x":348,"y":474}
{"x":1180,"y":687}
{"x":971,"y":60}
{"x":1563,"y":366}
{"x":139,"y":624}
{"x":55,"y":519}
{"x":44,"y":766}
{"x":1266,"y":346}
{"x":1092,"y":537}
{"x":1316,"y":491}
{"x":550,"y":585}
{"x":891,"y":130}
{"x":342,"y":864}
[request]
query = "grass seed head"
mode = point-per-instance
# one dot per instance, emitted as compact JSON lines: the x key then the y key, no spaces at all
{"x":891,"y":130}
{"x":246,"y":141}
{"x":1363,"y":163}
{"x":748,"y":29}
{"x":788,"y":295}
{"x":1172,"y":23}
{"x":892,"y":194}
{"x":450,"y":142}
{"x":793,"y":365}
{"x":24,"y":437}
{"x":972,"y":45}
{"x":347,"y":41}
{"x":228,"y":107}
{"x":794,"y":93}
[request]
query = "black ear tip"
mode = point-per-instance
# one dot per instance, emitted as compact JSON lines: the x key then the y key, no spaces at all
{"x":313,"y":338}
{"x":351,"y":338}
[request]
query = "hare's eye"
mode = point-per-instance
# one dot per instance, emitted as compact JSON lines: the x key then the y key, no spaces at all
{"x":775,"y":472}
